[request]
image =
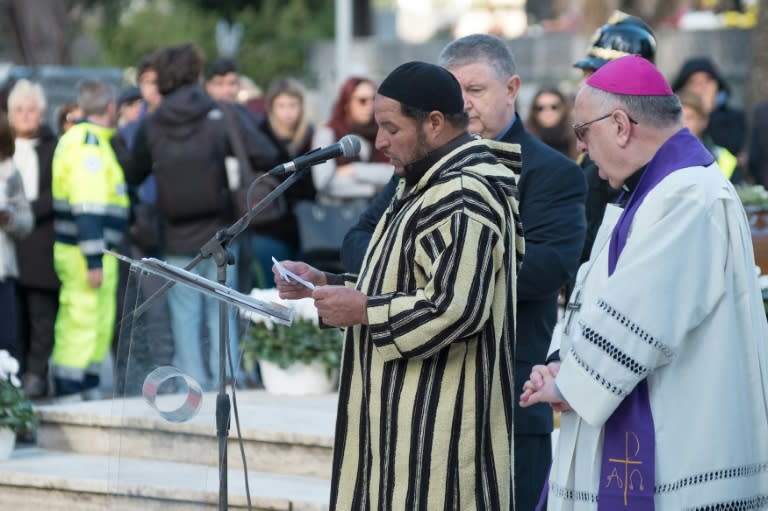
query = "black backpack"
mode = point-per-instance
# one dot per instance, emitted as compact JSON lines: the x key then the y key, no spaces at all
{"x":188,"y":163}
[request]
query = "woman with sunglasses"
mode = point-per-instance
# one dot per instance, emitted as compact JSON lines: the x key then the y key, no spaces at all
{"x":360,"y":176}
{"x":549,"y":121}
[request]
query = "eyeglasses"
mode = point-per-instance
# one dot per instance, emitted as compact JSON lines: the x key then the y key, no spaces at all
{"x":580,"y":130}
{"x":541,"y":108}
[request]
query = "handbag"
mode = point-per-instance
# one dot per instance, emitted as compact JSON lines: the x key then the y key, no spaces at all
{"x":276,"y":209}
{"x":324,"y":223}
{"x":322,"y":226}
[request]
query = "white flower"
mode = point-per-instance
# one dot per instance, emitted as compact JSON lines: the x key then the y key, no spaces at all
{"x":9,"y":368}
{"x":263,"y":295}
{"x":304,"y":308}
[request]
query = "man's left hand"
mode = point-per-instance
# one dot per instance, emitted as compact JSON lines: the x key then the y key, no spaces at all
{"x":341,"y":306}
{"x":95,"y":277}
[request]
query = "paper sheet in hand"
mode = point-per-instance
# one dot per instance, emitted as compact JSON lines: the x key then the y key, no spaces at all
{"x":278,"y":313}
{"x":288,"y":275}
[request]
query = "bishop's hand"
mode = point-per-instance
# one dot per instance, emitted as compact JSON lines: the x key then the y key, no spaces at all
{"x":541,"y":388}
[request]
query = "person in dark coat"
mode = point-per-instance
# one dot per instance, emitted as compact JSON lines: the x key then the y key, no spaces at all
{"x":184,"y":143}
{"x":551,"y":193}
{"x":727,"y":126}
{"x":286,"y":126}
{"x":621,"y":35}
{"x":38,"y":285}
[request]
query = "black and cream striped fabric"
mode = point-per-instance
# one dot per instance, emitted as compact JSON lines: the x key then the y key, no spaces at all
{"x":426,"y":393}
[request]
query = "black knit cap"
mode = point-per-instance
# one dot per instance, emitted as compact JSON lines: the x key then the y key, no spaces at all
{"x":424,"y":86}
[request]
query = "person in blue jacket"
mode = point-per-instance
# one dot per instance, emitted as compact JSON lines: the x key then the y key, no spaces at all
{"x":552,"y":191}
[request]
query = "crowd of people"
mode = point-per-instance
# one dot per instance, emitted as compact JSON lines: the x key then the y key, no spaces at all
{"x":475,"y":224}
{"x":171,"y":137}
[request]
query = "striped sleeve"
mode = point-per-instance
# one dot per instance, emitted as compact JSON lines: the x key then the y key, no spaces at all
{"x":460,"y":256}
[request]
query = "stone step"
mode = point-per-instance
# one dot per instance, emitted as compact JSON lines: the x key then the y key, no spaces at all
{"x":290,"y":435}
{"x":34,"y":479}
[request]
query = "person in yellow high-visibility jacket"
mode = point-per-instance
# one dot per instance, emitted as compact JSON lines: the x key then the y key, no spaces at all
{"x":91,"y":212}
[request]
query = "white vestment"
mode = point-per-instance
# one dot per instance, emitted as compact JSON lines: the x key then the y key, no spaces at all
{"x":682,"y":309}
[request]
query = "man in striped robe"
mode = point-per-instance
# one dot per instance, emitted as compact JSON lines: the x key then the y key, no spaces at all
{"x":426,"y":393}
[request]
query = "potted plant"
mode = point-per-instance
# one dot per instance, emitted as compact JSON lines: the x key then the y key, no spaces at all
{"x":298,"y":359}
{"x":16,"y":412}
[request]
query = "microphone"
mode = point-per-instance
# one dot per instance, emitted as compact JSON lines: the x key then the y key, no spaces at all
{"x":348,"y":146}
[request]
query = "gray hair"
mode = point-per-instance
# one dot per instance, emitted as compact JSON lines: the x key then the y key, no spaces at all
{"x":479,"y":48}
{"x":657,"y":111}
{"x":95,"y":96}
{"x":25,"y":89}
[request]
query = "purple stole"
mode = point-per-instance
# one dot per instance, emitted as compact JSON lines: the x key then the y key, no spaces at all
{"x":627,"y":473}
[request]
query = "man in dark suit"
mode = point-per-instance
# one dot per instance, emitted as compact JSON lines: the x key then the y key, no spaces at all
{"x":552,"y":192}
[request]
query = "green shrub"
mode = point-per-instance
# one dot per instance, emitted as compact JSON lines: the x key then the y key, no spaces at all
{"x":303,"y":341}
{"x":16,"y":412}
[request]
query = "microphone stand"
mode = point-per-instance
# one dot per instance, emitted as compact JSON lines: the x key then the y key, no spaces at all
{"x":217,"y":248}
{"x":230,"y":232}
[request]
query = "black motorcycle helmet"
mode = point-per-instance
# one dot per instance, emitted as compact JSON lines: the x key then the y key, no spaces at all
{"x":622,"y":35}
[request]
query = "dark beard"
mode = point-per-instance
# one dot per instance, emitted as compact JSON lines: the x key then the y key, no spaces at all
{"x":422,"y":151}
